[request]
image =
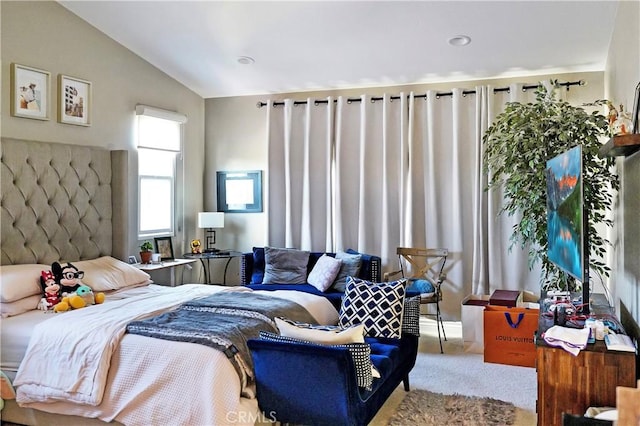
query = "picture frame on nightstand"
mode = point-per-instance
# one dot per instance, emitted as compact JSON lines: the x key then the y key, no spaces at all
{"x":164,"y":247}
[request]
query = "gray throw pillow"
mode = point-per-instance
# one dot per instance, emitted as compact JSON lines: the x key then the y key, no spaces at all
{"x":350,"y":268}
{"x":285,"y":266}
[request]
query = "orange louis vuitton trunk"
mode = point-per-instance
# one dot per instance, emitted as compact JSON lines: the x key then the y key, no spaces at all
{"x":509,"y":335}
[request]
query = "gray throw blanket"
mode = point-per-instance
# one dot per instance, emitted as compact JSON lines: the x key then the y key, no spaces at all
{"x":223,"y":321}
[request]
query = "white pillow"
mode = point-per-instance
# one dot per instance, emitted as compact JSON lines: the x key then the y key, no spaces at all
{"x":20,"y":281}
{"x":20,"y":306}
{"x":106,"y":273}
{"x":325,"y":335}
{"x":324,"y":272}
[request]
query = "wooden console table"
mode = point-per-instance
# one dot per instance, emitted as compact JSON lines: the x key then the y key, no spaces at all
{"x":571,"y":384}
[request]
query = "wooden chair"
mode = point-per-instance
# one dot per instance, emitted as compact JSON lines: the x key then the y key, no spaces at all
{"x":427,"y":264}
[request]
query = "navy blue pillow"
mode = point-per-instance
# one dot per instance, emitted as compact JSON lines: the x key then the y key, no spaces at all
{"x":258,"y":265}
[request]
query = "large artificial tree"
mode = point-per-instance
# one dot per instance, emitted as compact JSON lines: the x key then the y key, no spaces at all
{"x":516,"y":149}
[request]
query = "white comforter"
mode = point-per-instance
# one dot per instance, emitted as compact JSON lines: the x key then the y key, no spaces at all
{"x":67,"y":365}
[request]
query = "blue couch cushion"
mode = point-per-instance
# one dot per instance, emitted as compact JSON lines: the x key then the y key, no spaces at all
{"x":383,"y":364}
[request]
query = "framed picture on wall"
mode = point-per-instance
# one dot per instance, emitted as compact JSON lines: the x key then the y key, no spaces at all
{"x":239,"y":192}
{"x":74,"y":101}
{"x":29,"y":92}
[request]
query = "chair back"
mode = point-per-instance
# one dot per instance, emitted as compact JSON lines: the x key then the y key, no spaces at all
{"x":427,"y":263}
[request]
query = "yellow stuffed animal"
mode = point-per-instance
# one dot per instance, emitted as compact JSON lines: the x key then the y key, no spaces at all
{"x":82,"y":297}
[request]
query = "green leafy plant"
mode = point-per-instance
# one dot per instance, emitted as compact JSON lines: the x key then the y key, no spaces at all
{"x":146,"y":246}
{"x":516,"y":149}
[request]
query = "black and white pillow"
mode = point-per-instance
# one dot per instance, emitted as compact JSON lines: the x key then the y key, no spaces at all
{"x":411,"y":316}
{"x":360,"y":353}
{"x":379,"y":306}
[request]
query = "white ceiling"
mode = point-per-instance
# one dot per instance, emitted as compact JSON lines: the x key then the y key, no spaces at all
{"x":311,"y":45}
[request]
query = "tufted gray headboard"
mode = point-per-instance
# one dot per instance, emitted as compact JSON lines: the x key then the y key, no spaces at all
{"x":62,"y":202}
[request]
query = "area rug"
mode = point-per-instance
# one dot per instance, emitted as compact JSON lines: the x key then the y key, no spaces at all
{"x":420,"y":407}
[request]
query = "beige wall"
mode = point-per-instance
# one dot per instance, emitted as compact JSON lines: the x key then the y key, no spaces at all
{"x":45,"y":35}
{"x":621,"y":78}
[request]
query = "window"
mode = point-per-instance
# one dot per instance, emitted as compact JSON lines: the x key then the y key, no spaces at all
{"x":159,"y":143}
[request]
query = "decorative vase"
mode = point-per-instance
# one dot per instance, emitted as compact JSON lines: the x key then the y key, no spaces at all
{"x":622,"y":125}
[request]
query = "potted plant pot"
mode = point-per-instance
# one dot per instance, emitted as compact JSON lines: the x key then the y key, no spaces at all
{"x":146,"y":250}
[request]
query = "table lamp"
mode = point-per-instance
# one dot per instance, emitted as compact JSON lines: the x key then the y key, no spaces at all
{"x":209,"y":221}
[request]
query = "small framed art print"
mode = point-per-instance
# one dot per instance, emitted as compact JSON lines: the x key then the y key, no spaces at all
{"x":239,"y":192}
{"x":164,"y":247}
{"x":29,"y":92}
{"x":74,"y":101}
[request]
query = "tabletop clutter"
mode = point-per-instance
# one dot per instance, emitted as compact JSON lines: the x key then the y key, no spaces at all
{"x":573,"y":331}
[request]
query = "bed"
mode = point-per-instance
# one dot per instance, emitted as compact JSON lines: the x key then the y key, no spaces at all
{"x":61,"y":203}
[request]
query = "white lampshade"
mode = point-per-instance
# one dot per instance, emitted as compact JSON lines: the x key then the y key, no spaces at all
{"x":210,"y":220}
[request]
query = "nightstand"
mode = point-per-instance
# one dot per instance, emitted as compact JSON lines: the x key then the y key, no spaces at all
{"x":221,"y":254}
{"x":165,"y":264}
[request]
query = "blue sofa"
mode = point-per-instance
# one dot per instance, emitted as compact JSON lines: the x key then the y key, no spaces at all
{"x":310,"y":384}
{"x":315,"y":385}
{"x":252,"y":266}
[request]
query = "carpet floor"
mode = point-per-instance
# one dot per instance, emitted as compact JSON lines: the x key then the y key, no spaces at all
{"x":420,"y":407}
{"x":463,"y":373}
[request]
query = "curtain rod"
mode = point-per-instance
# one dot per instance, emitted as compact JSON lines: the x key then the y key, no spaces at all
{"x":566,"y":84}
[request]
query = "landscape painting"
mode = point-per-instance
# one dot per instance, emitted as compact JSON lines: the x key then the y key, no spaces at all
{"x":565,"y":231}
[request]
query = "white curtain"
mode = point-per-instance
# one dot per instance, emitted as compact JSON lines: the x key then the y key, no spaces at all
{"x":495,"y":264}
{"x":375,"y":175}
{"x":299,"y":175}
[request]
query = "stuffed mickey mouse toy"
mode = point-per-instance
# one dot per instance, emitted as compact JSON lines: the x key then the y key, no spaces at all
{"x":67,"y":276}
{"x":75,"y":294}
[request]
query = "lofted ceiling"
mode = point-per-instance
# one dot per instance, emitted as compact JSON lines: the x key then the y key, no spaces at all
{"x":317,"y":45}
